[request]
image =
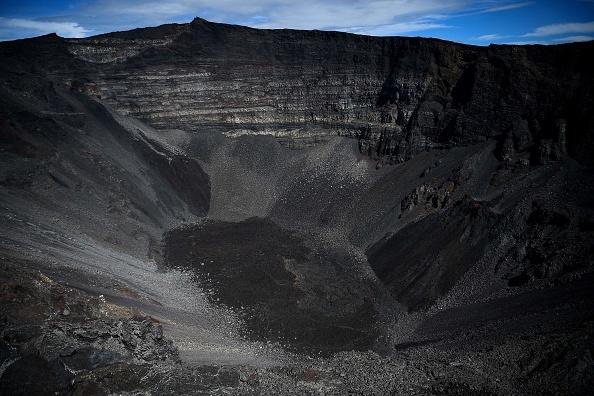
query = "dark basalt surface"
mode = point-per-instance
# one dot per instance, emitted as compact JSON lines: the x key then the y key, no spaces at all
{"x":284,"y":290}
{"x":432,"y":265}
{"x":213,"y":209}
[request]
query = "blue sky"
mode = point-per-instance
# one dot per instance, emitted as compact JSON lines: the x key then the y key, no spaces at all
{"x":475,"y":22}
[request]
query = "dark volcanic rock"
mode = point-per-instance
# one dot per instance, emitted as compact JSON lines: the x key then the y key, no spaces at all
{"x":284,"y":289}
{"x":66,"y":149}
{"x":152,"y":241}
{"x":31,"y":375}
{"x":425,"y":259}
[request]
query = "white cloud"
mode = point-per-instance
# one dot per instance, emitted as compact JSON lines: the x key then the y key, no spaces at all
{"x":525,"y":42}
{"x":507,"y":7}
{"x":64,"y":29}
{"x":385,"y":17}
{"x":489,"y":37}
{"x":562,"y":28}
{"x":395,"y":28}
{"x":374,"y":17}
{"x":572,"y":39}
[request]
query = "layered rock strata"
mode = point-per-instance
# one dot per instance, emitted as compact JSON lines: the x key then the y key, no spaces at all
{"x":397,"y":95}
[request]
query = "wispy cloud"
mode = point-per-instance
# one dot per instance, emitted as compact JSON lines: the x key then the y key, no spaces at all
{"x":490,"y":6}
{"x":573,"y":39}
{"x":525,"y":42}
{"x":562,"y":28}
{"x":373,"y":17}
{"x":395,"y":28}
{"x":37,"y":27}
{"x":378,"y":17}
{"x":507,"y":7}
{"x":489,"y":37}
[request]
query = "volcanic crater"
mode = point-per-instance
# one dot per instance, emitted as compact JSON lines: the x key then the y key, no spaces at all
{"x":213,"y":209}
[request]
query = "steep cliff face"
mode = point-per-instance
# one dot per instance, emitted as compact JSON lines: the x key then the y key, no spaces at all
{"x":398,"y":96}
